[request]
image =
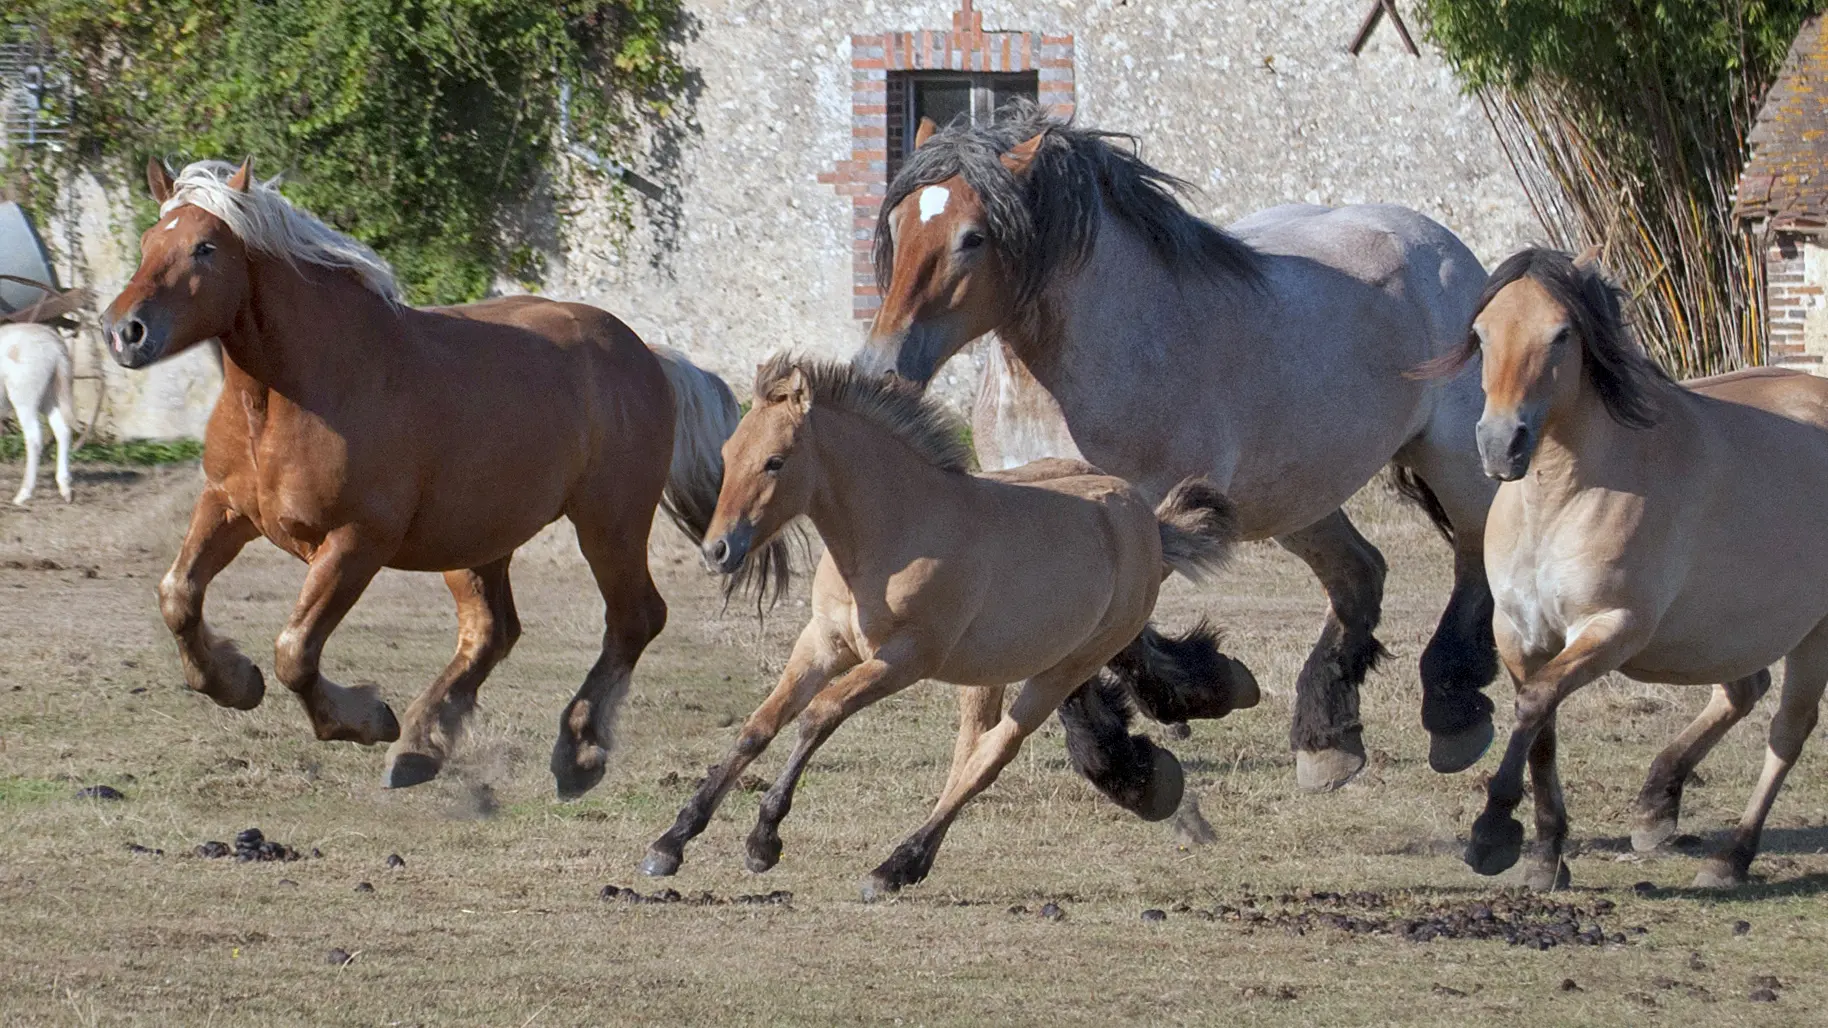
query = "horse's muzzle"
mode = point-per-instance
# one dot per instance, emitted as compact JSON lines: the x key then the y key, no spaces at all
{"x":1506,"y":445}
{"x":913,"y":355}
{"x":132,"y":342}
{"x":725,"y":554}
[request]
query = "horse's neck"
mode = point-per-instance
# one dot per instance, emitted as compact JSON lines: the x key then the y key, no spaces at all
{"x":304,"y":334}
{"x":1105,"y":343}
{"x":1581,"y":447}
{"x":866,"y":481}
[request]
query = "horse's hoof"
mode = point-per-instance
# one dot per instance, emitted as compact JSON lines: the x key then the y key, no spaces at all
{"x":405,"y":770}
{"x":1448,"y":754}
{"x":1544,"y":878}
{"x":1190,"y":826}
{"x":876,"y":887}
{"x":1652,"y":836}
{"x":1327,"y":770}
{"x":577,"y":767}
{"x":661,"y":864}
{"x":1496,"y":845}
{"x":763,"y":854}
{"x":1719,"y":873}
{"x":387,"y":727}
{"x":1166,"y":788}
{"x":1244,"y":693}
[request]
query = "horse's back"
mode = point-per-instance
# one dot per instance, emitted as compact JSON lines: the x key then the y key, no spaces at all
{"x":31,"y":358}
{"x":1796,"y":395}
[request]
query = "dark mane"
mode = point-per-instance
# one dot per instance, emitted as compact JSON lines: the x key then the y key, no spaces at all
{"x":1047,"y":222}
{"x":1626,"y":378}
{"x":898,"y":408}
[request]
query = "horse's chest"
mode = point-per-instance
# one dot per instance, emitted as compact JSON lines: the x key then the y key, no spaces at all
{"x":1531,"y":591}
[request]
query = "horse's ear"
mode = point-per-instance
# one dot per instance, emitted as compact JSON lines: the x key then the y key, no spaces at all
{"x":925,"y":132}
{"x":1588,"y":258}
{"x":158,"y":180}
{"x":796,"y":392}
{"x":1022,"y":155}
{"x":243,"y":176}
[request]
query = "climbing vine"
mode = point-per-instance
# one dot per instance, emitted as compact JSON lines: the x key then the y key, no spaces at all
{"x":415,"y":125}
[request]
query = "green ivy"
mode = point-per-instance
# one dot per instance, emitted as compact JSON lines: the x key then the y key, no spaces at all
{"x":137,"y":452}
{"x":414,"y":125}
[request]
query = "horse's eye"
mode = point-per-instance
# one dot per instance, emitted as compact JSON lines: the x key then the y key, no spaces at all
{"x":774,"y":463}
{"x":203,"y":249}
{"x":1562,"y":336}
{"x":971,"y":240}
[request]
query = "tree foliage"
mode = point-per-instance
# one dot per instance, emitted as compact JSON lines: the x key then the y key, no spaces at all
{"x":411,"y":124}
{"x":1626,"y":121}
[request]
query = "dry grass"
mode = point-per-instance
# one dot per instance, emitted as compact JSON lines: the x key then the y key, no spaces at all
{"x":495,"y":919}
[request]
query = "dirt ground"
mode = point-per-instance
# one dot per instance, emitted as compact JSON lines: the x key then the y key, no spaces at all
{"x":1304,"y":912}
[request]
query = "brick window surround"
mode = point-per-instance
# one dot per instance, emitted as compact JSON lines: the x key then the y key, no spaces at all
{"x":965,"y":47}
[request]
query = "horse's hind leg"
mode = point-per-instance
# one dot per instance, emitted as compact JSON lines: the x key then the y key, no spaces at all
{"x":816,"y":658}
{"x":212,"y":666}
{"x":487,"y":628}
{"x":1660,"y":803}
{"x":634,"y":613}
{"x":340,"y":569}
{"x":1039,"y":698}
{"x":1326,"y":735}
{"x":1805,"y":674}
{"x":34,"y":442}
{"x":979,"y":709}
{"x":60,"y":430}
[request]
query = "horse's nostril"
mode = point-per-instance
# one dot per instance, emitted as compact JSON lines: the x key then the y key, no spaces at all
{"x":1520,"y":441}
{"x":133,"y":332}
{"x":718,"y":551}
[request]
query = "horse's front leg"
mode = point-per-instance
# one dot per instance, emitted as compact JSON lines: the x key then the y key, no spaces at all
{"x":1602,"y":643}
{"x":212,"y":666}
{"x":340,"y":569}
{"x":817,"y":656}
{"x":1326,"y":735}
{"x":487,"y":629}
{"x":893,"y":669}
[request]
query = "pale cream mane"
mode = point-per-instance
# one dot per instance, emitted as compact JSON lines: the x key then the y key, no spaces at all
{"x":266,"y":221}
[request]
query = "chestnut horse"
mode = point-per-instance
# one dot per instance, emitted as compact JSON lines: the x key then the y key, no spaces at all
{"x":1661,"y":532}
{"x":1042,"y":574}
{"x":357,"y":433}
{"x":1270,"y":358}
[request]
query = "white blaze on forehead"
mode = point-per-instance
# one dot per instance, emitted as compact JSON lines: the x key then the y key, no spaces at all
{"x":933,"y":200}
{"x":173,"y":223}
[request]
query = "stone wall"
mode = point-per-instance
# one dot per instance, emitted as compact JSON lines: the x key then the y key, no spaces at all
{"x":1796,"y":274}
{"x":744,"y":249}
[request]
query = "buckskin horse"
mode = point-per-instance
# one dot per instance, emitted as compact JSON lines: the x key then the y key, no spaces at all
{"x":356,"y":433}
{"x":1662,"y":532}
{"x":1270,"y":358}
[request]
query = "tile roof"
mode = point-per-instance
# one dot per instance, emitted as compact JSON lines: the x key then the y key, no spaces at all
{"x":1787,"y":178}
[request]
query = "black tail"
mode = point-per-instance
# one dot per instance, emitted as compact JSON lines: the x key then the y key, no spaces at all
{"x":1410,"y":486}
{"x":1131,"y":771}
{"x":1178,"y":678}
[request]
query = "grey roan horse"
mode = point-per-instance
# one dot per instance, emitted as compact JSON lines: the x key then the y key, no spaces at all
{"x":1271,"y":358}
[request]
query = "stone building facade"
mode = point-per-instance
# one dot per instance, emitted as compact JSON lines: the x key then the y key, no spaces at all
{"x":1783,"y":192}
{"x":752,"y":229}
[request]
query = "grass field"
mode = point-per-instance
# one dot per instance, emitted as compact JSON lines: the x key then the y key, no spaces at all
{"x":495,"y":918}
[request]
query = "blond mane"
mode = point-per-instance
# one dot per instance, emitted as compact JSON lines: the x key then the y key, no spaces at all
{"x":266,"y":221}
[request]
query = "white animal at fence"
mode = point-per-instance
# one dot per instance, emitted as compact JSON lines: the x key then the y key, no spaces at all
{"x":35,"y":376}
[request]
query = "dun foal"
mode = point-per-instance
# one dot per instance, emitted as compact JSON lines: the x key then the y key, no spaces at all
{"x":1662,"y":532}
{"x":1041,"y":575}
